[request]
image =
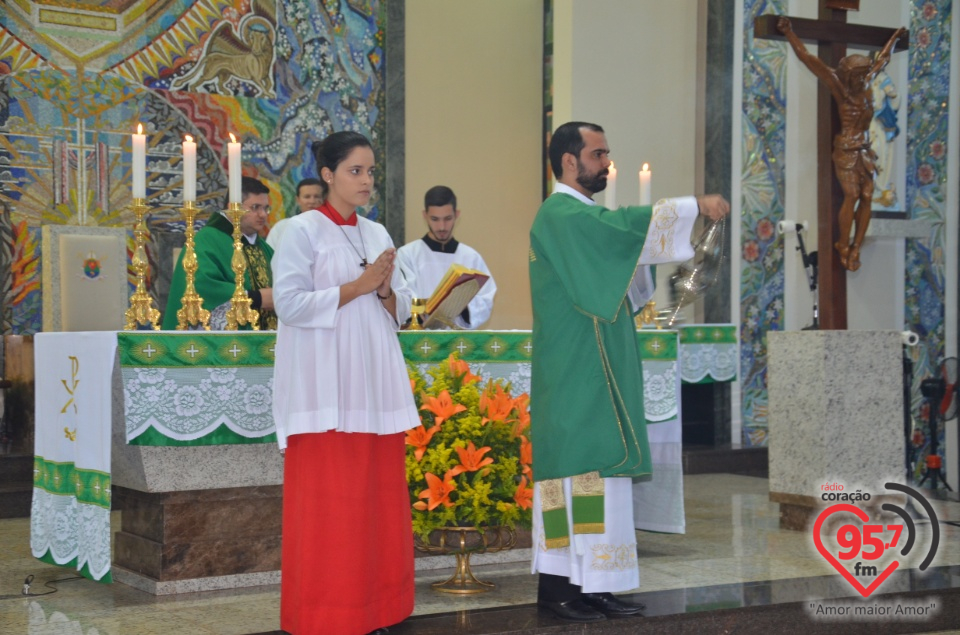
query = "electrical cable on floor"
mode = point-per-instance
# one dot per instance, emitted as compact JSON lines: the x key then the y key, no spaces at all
{"x":49,"y":584}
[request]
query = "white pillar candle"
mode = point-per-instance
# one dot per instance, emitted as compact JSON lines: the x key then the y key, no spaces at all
{"x":645,"y":184}
{"x":234,"y":171}
{"x":139,"y":167}
{"x":189,"y":169}
{"x":610,"y":193}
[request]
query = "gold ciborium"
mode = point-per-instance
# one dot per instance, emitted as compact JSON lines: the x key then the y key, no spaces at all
{"x":141,"y":309}
{"x":191,"y":313}
{"x":648,"y":315}
{"x":417,"y":308}
{"x":240,"y":311}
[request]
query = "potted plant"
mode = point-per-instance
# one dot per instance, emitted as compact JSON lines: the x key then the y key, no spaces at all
{"x":468,"y":466}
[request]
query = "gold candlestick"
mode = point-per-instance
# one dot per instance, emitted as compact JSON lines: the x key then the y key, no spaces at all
{"x":239,"y":312}
{"x":141,"y":309}
{"x":191,"y":313}
{"x":417,"y":307}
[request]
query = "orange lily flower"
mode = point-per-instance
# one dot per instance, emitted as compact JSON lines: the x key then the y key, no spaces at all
{"x":438,"y":491}
{"x":420,"y":439}
{"x":441,"y":406}
{"x":522,"y":404}
{"x":470,"y":459}
{"x":526,"y":456}
{"x":413,"y":385}
{"x":495,"y":407}
{"x":524,"y":495}
{"x":460,"y":368}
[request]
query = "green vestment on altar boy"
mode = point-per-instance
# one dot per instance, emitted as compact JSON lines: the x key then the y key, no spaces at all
{"x":587,"y":383}
{"x":214,"y":280}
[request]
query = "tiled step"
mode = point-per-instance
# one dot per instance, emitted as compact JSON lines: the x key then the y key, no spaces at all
{"x":751,"y":608}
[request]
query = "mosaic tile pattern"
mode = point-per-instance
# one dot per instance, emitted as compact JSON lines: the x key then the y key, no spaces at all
{"x":278,"y":74}
{"x":928,"y":107}
{"x":762,"y":184}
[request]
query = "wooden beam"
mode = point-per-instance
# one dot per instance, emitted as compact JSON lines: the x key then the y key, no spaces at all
{"x":817,"y":31}
{"x":831,"y":274}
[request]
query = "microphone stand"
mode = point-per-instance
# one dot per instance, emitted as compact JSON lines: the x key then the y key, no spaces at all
{"x":810,"y":263}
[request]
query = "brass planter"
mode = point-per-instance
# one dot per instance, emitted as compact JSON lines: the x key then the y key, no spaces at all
{"x":463,"y":542}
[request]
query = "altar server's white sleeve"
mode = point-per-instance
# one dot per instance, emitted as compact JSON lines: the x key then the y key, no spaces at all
{"x":482,"y":304}
{"x":407,"y":265}
{"x":295,"y":299}
{"x":276,"y":232}
{"x":668,"y":240}
{"x":400,"y":285}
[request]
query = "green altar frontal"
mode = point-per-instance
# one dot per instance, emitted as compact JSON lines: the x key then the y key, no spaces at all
{"x":201,"y":388}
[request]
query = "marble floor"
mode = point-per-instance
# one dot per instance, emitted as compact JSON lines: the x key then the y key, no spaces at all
{"x":732,"y":538}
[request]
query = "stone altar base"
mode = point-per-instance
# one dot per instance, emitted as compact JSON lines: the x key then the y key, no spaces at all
{"x":835,"y":416}
{"x":176,"y":542}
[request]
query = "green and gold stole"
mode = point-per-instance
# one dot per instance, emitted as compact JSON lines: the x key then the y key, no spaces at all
{"x":587,"y":508}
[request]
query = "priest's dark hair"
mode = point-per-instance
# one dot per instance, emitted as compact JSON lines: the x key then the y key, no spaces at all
{"x":438,"y":196}
{"x":308,"y":182}
{"x":250,"y":185}
{"x":567,"y":138}
{"x":330,"y":152}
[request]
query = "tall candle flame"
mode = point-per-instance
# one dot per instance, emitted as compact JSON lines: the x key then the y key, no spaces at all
{"x":232,"y":138}
{"x":139,"y":128}
{"x":646,"y":167}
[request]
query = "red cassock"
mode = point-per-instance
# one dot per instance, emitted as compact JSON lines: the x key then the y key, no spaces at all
{"x":347,"y":537}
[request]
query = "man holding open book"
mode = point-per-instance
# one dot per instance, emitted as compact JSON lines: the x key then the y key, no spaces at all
{"x":452,"y":275}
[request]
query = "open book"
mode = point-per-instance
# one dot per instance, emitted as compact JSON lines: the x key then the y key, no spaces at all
{"x":452,"y":295}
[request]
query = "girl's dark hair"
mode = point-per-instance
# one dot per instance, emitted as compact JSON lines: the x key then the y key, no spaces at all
{"x":330,"y":152}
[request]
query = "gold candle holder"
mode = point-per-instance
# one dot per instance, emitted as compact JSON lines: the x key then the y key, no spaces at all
{"x":240,"y":312}
{"x":417,"y":309}
{"x":191,"y":313}
{"x":141,"y":309}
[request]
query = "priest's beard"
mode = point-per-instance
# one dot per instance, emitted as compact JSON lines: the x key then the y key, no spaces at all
{"x":591,"y":182}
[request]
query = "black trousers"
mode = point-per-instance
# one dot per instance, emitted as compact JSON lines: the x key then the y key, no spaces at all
{"x":556,"y":588}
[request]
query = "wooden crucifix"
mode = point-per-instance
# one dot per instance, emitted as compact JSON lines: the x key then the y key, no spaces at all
{"x":832,"y":33}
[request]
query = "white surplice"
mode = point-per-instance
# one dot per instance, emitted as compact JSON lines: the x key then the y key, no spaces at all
{"x":337,"y":368}
{"x":607,"y":562}
{"x":276,"y":233}
{"x":423,"y":269}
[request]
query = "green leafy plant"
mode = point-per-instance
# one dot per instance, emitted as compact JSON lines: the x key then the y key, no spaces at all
{"x":468,"y":464}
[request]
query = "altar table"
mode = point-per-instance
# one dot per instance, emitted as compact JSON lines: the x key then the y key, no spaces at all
{"x":190,"y":412}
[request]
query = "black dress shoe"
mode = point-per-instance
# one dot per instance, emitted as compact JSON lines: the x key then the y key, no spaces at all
{"x":573,"y":611}
{"x":609,"y":604}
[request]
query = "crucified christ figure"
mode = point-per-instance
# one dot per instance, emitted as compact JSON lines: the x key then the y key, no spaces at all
{"x":854,"y":162}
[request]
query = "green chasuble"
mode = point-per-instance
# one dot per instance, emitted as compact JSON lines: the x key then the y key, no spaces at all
{"x":214,"y":280}
{"x":587,"y":383}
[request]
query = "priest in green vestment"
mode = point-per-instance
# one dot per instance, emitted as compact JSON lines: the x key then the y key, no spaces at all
{"x":215,"y":281}
{"x":591,"y":271}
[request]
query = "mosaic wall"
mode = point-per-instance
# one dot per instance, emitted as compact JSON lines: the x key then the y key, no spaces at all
{"x":762,"y":192}
{"x":930,"y":25}
{"x":77,"y":77}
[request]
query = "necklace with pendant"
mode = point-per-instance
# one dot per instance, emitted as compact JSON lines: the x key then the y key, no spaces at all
{"x":363,"y":256}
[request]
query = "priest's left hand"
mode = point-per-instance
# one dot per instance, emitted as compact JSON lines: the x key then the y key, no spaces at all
{"x":713,"y":206}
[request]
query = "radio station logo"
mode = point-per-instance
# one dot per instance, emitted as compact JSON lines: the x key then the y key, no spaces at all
{"x":866,"y":553}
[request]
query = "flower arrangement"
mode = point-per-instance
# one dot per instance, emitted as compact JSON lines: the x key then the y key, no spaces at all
{"x":469,"y":462}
